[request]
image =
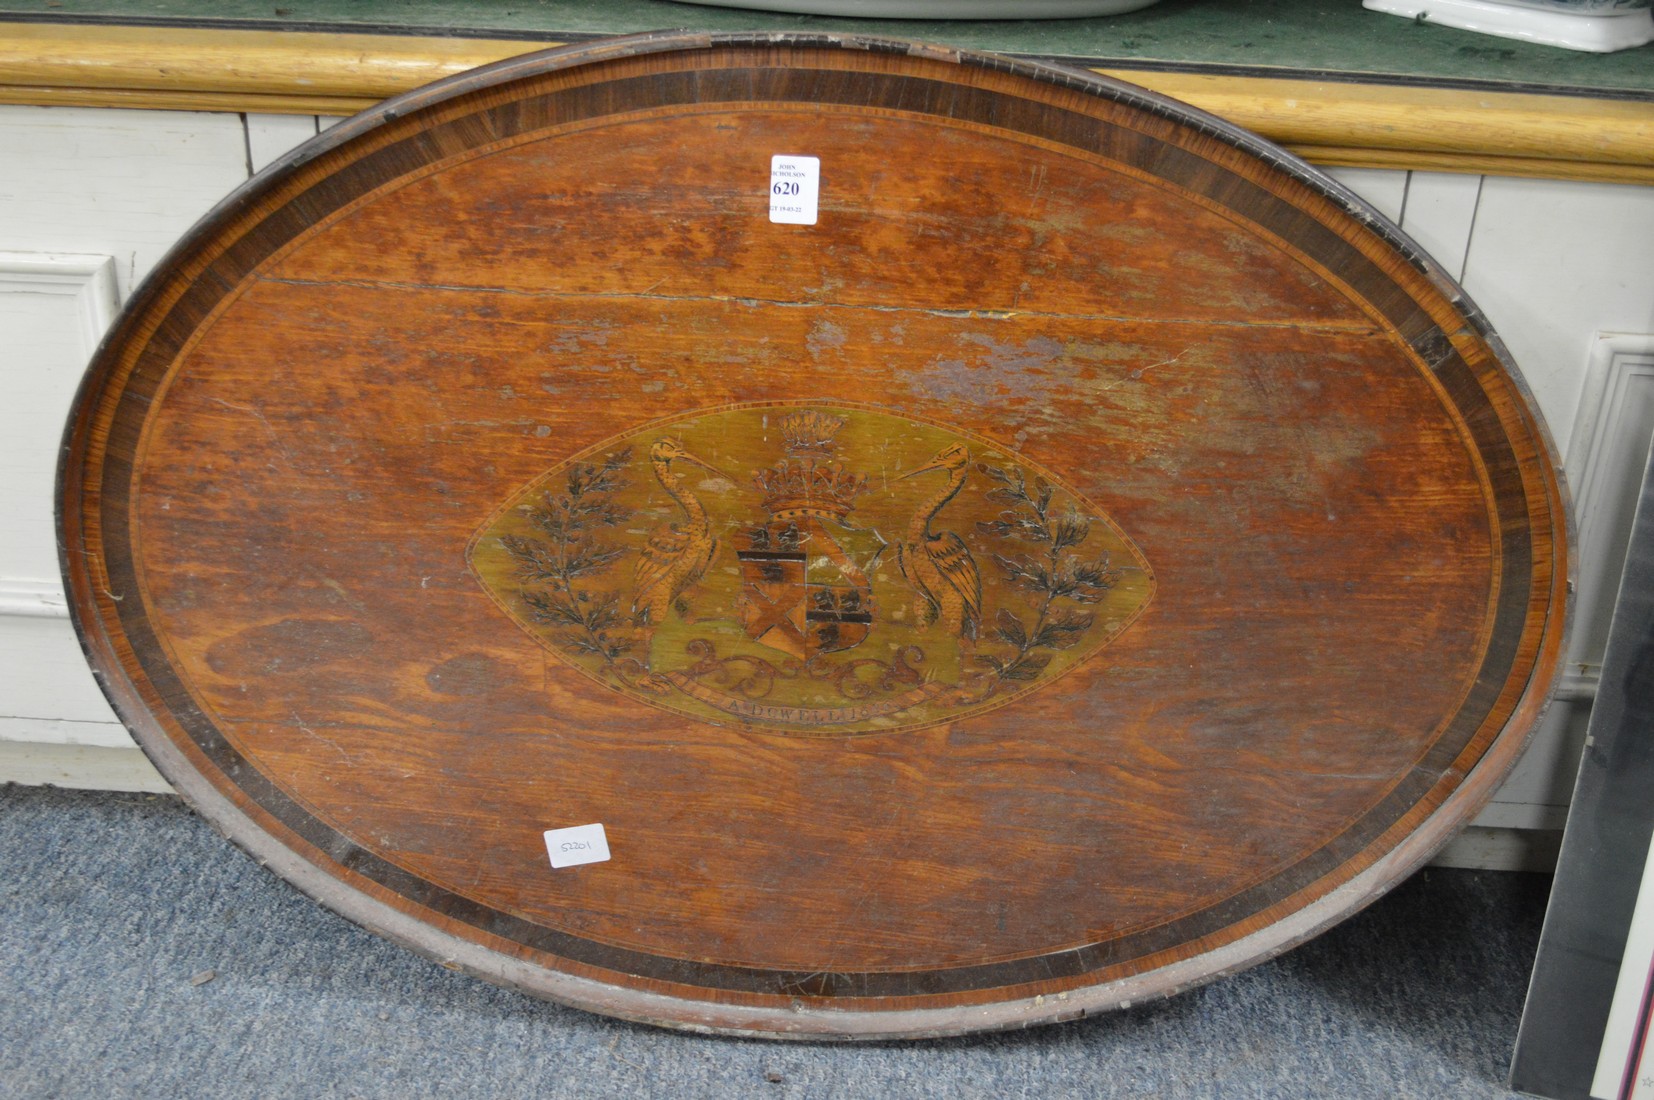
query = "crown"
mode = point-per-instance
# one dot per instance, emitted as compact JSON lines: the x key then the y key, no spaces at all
{"x":804,"y":487}
{"x":810,"y":432}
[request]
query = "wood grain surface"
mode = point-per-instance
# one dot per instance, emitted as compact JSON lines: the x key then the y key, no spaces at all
{"x":1089,"y":559}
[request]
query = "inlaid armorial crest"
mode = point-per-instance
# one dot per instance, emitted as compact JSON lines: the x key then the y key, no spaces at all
{"x":778,"y":601}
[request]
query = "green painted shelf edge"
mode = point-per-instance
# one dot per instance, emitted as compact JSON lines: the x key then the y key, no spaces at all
{"x":1321,"y":38}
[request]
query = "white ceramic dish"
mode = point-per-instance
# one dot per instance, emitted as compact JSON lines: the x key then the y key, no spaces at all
{"x":1595,"y":26}
{"x":941,"y":9}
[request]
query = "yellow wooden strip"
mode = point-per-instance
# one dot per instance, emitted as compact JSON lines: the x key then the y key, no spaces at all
{"x":1475,"y":164}
{"x":1432,"y":120}
{"x":178,"y":100}
{"x":1331,"y":122}
{"x":1326,"y":156}
{"x":370,"y":66}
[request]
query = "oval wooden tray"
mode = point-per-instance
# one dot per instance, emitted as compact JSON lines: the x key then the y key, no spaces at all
{"x":1094,"y":555}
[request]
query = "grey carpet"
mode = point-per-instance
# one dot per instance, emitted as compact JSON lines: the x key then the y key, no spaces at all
{"x":110,"y":904}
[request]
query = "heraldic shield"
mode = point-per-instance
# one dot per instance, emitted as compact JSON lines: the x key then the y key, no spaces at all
{"x":800,"y":591}
{"x":803,"y":590}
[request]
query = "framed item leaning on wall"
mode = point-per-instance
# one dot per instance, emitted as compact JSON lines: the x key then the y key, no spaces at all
{"x":1585,"y":1032}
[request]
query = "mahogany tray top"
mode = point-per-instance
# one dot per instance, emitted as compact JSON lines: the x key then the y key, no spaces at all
{"x":1080,"y":553}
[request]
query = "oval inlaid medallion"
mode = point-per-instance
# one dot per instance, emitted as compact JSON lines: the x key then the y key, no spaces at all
{"x":812,"y":569}
{"x":1091,"y":555}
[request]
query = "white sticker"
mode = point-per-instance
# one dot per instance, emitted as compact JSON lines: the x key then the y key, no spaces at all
{"x":576,"y":845}
{"x":795,"y":182}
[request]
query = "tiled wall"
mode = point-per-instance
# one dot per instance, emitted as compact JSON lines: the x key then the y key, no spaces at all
{"x":90,"y":199}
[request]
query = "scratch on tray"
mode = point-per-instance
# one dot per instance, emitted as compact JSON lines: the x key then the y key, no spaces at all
{"x":1137,"y":375}
{"x":298,"y":723}
{"x":869,"y":888}
{"x":269,"y":429}
{"x":816,"y":303}
{"x":339,"y":589}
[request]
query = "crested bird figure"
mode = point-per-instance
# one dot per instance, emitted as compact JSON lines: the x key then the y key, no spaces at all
{"x":937,"y":564}
{"x":678,"y":553}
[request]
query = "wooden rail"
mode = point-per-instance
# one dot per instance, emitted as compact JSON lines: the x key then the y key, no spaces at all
{"x":1328,"y":122}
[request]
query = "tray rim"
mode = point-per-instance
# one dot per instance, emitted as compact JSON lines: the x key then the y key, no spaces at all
{"x":356,"y":900}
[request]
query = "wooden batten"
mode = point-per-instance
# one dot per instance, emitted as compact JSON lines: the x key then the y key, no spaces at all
{"x":1328,"y":122}
{"x":1435,"y":129}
